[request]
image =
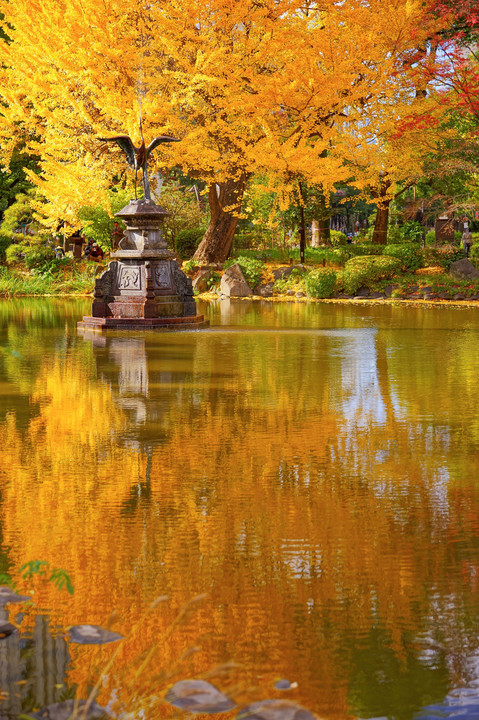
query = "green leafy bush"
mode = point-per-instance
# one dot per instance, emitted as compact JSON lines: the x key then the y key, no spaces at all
{"x":98,"y":222}
{"x":15,"y":253}
{"x":320,"y":283}
{"x":39,"y":257}
{"x":409,"y":254}
{"x":190,"y":266}
{"x":18,"y":215}
{"x":250,"y":268}
{"x":409,"y":232}
{"x":430,"y":237}
{"x":187,"y":241}
{"x":5,"y":242}
{"x":364,"y":271}
{"x":442,"y":256}
{"x":474,"y":252}
{"x":338,"y":238}
{"x":343,"y":254}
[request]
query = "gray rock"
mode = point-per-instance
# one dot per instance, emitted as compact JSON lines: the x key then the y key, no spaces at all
{"x":300,"y":294}
{"x":7,"y":595}
{"x":6,"y":629}
{"x":362,"y":292}
{"x":459,"y":296}
{"x":463,"y":270}
{"x":198,"y":696}
{"x":200,"y":282}
{"x":290,"y":293}
{"x":92,"y":635}
{"x":233,"y":283}
{"x":274,"y":710}
{"x":264,"y":290}
{"x":377,"y":296}
{"x":388,"y":290}
{"x":285,"y":272}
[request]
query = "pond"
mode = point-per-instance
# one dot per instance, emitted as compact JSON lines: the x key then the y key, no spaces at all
{"x":298,"y":485}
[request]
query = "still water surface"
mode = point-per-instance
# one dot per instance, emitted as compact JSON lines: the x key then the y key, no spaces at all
{"x":311,"y":469}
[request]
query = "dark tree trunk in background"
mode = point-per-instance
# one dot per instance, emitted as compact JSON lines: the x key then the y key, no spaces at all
{"x":380,"y":235}
{"x":224,"y":206}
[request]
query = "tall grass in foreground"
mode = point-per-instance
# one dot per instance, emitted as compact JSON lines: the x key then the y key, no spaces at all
{"x":14,"y":283}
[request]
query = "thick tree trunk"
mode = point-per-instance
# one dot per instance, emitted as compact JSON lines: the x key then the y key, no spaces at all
{"x":380,"y":235}
{"x":225,"y":205}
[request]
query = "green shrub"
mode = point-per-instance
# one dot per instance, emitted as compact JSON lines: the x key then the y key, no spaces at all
{"x":443,"y":256}
{"x":39,"y":257}
{"x":338,"y":238}
{"x":250,"y":268}
{"x":364,"y":271}
{"x":430,"y":237}
{"x":187,"y":241}
{"x":409,"y":232}
{"x":409,"y":254}
{"x":320,"y":283}
{"x":15,"y":253}
{"x":343,"y":254}
{"x":474,"y":252}
{"x":5,"y":242}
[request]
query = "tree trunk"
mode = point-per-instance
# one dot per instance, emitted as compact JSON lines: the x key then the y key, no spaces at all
{"x":380,"y":235}
{"x":224,"y":206}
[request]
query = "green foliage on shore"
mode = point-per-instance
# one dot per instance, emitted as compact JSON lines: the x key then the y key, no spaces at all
{"x":365,"y":270}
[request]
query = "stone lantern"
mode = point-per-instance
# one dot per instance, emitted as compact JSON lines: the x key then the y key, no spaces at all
{"x":143,"y":286}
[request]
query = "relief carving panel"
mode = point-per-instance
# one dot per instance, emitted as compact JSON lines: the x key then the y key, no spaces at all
{"x":129,"y":278}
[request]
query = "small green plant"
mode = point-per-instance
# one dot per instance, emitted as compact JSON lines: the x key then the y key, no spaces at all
{"x":251,"y":268}
{"x":409,"y":232}
{"x":213,"y":280}
{"x":60,"y":578}
{"x":190,"y":266}
{"x":320,"y":283}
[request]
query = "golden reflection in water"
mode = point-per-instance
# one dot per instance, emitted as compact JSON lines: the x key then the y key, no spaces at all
{"x":291,"y":477}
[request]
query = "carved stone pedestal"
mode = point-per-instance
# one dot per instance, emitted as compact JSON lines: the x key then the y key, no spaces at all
{"x":143,"y":286}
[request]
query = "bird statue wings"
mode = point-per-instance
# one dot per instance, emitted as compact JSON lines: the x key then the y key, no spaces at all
{"x":137,"y":157}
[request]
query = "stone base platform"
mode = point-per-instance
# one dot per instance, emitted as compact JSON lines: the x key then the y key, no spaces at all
{"x":101,"y":324}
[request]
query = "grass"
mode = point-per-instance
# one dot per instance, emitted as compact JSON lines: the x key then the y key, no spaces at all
{"x":67,"y":281}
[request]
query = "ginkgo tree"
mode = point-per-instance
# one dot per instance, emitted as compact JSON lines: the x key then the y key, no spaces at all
{"x":247,"y":86}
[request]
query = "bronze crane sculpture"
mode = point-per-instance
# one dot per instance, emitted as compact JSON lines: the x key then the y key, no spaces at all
{"x":137,"y":157}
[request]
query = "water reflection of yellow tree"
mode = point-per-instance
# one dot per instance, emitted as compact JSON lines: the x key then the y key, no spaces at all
{"x":296,"y":541}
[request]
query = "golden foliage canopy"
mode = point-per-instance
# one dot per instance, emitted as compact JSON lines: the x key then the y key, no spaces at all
{"x":246,"y":85}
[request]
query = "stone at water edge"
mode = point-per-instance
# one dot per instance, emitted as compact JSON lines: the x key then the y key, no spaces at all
{"x":285,"y":684}
{"x":274,"y":710}
{"x":7,"y":595}
{"x":463,"y":270}
{"x":233,"y":283}
{"x":198,"y":696}
{"x":76,"y":710}
{"x":92,"y":635}
{"x":200,"y":281}
{"x":285,"y":272}
{"x":6,"y":629}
